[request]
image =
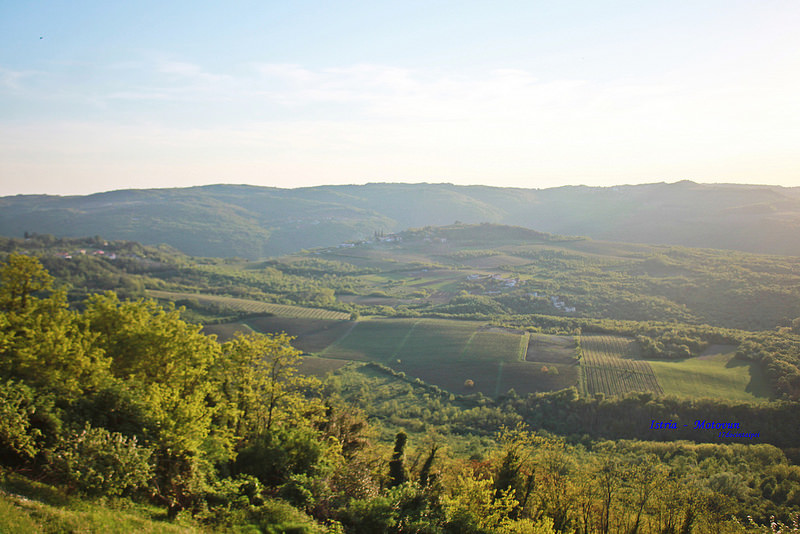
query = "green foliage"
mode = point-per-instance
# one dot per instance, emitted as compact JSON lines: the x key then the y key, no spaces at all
{"x":18,"y":438}
{"x":397,"y":470}
{"x":22,"y":277}
{"x":219,"y":431}
{"x":43,"y":342}
{"x":99,"y":462}
{"x":274,"y":457}
{"x":259,"y":374}
{"x":473,"y":506}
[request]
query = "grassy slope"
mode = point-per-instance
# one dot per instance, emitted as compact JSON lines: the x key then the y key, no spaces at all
{"x":714,"y":375}
{"x":29,"y":507}
{"x":252,"y":306}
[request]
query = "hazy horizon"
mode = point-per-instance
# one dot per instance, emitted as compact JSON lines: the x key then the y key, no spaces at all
{"x":103,"y":96}
{"x":102,"y":191}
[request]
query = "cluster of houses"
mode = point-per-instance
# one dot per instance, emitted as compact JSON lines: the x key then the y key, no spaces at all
{"x":391,"y":238}
{"x":556,"y":302}
{"x":508,"y":282}
{"x":84,"y":252}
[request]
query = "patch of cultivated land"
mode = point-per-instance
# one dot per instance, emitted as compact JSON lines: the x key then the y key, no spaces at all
{"x":311,"y":335}
{"x":497,"y":346}
{"x":609,"y":366}
{"x":316,"y":366}
{"x":493,"y":262}
{"x":252,"y":306}
{"x":226,"y":331}
{"x":551,"y":349}
{"x":529,"y":377}
{"x":371,"y":340}
{"x":449,"y":353}
{"x":437,"y":341}
{"x":369,"y":300}
{"x":714,"y":374}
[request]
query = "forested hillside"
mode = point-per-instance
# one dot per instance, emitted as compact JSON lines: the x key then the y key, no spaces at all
{"x":256,"y":222}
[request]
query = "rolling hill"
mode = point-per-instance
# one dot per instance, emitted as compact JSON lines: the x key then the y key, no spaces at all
{"x":254,"y":222}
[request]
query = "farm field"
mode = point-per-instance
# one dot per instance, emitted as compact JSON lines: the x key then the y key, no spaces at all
{"x":441,"y":341}
{"x":494,"y":261}
{"x":609,"y":366}
{"x":226,"y":331}
{"x":491,"y":345}
{"x":527,"y":377}
{"x":319,"y":367}
{"x":253,"y":306}
{"x":448,"y":353}
{"x":441,"y":352}
{"x":713,"y":375}
{"x":376,"y":340}
{"x":551,"y":349}
{"x":312,"y":335}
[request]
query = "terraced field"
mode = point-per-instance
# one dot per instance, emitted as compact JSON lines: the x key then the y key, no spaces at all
{"x":253,"y":306}
{"x":609,"y":366}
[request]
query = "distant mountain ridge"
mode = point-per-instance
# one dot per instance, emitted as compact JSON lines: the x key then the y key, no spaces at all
{"x":254,"y":222}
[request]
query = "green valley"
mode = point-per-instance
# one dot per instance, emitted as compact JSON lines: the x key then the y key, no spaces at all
{"x":482,"y":346}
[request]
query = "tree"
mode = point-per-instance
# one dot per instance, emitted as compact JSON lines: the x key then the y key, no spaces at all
{"x":258,"y":374}
{"x":42,"y":342}
{"x":397,"y":470}
{"x":166,"y":364}
{"x":21,"y":276}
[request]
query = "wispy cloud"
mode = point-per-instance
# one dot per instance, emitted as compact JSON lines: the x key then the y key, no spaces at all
{"x":14,"y":80}
{"x":363,"y":122}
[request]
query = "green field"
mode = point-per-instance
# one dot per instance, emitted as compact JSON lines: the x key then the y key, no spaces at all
{"x":496,"y":346}
{"x":316,"y":366}
{"x":546,"y":348}
{"x":252,"y":306}
{"x":718,"y":373}
{"x":311,"y":335}
{"x":612,"y":365}
{"x":226,"y":331}
{"x":377,"y":340}
{"x":439,"y":341}
{"x":450,"y":353}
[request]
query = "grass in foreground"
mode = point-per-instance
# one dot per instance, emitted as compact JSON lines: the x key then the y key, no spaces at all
{"x":29,"y":507}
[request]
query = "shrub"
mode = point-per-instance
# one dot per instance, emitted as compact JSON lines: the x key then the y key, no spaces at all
{"x":17,"y":437}
{"x":99,"y":462}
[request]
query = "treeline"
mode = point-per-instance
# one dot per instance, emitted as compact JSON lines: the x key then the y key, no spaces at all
{"x":634,"y":416}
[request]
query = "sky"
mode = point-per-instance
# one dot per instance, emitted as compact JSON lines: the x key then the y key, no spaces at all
{"x":96,"y":96}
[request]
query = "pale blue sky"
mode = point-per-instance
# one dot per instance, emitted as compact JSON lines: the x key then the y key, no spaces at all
{"x":98,"y":95}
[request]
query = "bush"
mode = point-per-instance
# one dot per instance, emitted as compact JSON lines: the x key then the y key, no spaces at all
{"x":273,"y":457}
{"x":17,"y":438}
{"x":99,"y":462}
